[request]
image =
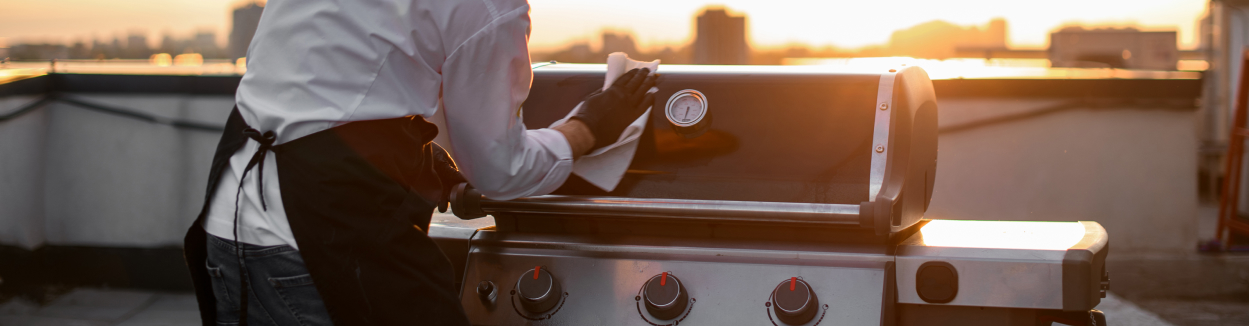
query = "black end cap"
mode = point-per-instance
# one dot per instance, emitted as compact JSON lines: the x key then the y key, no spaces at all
{"x":466,"y":202}
{"x":866,"y":218}
{"x":936,"y":282}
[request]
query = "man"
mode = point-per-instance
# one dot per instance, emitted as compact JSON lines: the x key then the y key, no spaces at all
{"x":324,"y":181}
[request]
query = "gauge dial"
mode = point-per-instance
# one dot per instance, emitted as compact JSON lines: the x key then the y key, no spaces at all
{"x":686,"y":108}
{"x":687,"y":111}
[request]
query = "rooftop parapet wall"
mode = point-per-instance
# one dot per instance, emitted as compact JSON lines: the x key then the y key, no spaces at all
{"x":1122,"y":152}
{"x":22,"y":144}
{"x":92,"y":177}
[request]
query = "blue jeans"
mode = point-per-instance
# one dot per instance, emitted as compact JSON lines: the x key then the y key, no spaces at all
{"x":281,"y":290}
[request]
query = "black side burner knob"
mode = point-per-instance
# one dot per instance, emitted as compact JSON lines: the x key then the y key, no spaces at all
{"x":665,"y":296}
{"x":794,"y":302}
{"x":487,"y":292}
{"x":538,"y":290}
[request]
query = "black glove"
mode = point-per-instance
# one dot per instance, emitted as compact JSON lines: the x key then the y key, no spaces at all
{"x":448,"y":175}
{"x":609,"y":112}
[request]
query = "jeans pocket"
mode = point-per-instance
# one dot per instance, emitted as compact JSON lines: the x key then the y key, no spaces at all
{"x":302,"y":299}
{"x":227,"y":307}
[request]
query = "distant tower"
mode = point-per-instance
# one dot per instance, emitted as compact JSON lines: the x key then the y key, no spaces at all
{"x":113,"y":50}
{"x":205,"y":42}
{"x":168,"y":44}
{"x":246,"y":19}
{"x":619,"y":42}
{"x":721,"y":39}
{"x":996,"y":34}
{"x":136,"y":46}
{"x":78,"y":51}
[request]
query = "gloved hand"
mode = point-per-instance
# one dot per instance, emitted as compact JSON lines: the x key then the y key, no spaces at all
{"x":607,"y":113}
{"x":448,"y":175}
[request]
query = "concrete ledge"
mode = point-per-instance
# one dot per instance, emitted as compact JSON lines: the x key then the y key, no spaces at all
{"x":105,"y":307}
{"x":30,"y":272}
{"x":1030,"y":88}
{"x":1191,"y":276}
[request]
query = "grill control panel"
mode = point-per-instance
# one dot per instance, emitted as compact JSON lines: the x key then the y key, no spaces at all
{"x":583,"y":287}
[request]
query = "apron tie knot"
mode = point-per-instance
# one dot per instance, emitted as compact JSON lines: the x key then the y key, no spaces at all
{"x":266,"y":140}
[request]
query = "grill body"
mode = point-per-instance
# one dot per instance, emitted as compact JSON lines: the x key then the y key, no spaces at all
{"x":822,"y":176}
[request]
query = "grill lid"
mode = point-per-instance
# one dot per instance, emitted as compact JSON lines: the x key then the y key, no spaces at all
{"x":787,"y":144}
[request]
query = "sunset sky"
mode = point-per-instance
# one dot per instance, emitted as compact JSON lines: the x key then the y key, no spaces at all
{"x":655,"y":23}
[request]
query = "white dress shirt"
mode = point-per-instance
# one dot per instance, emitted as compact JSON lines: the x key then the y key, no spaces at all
{"x":316,"y":64}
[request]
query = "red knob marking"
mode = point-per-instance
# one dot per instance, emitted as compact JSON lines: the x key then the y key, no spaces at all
{"x":535,"y":271}
{"x":664,"y":279}
{"x":792,"y":280}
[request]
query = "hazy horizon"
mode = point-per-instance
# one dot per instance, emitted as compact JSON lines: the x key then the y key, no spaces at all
{"x":654,"y":23}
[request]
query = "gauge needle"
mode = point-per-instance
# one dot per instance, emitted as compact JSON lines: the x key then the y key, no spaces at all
{"x":687,"y":114}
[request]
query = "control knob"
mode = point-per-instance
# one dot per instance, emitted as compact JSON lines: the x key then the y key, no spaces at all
{"x":487,"y":292}
{"x":794,"y":302}
{"x":538,"y":290}
{"x":665,"y":296}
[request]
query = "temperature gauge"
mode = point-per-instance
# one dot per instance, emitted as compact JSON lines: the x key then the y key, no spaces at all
{"x":687,"y":111}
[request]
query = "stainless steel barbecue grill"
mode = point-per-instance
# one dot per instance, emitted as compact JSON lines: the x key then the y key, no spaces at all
{"x":766,"y":196}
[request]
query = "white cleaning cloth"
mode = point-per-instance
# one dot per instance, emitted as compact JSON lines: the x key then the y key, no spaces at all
{"x":604,"y":167}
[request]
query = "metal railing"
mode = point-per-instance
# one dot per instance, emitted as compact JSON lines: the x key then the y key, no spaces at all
{"x":49,"y":98}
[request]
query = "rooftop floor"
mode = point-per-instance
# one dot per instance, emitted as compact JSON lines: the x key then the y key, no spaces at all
{"x":92,"y":307}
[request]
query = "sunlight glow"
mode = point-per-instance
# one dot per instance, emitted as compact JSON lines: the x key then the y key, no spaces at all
{"x":1002,"y":234}
{"x":189,"y":66}
{"x":189,"y":59}
{"x":13,"y":74}
{"x":161,"y":60}
{"x":993,"y":68}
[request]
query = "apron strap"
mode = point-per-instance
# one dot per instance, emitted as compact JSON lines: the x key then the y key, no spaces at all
{"x":266,"y":140}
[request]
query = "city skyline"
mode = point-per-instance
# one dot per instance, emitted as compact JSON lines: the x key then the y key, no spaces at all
{"x":653,"y":24}
{"x":720,"y":38}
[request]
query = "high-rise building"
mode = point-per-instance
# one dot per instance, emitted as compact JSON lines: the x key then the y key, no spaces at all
{"x":939,"y":39}
{"x":720,"y":38}
{"x":136,"y":46}
{"x":78,"y":51}
{"x":168,"y":44}
{"x":115,"y":50}
{"x":246,"y":20}
{"x":39,"y":51}
{"x":619,"y":42}
{"x":1113,"y":47}
{"x":995,"y":33}
{"x":205,"y":42}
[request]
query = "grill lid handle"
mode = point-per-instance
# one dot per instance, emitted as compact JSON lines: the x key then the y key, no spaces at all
{"x":469,"y":204}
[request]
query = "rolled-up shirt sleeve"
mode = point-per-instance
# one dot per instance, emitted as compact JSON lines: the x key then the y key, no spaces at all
{"x":485,"y":80}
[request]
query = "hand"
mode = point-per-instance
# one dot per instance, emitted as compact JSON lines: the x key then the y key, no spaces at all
{"x":607,"y":113}
{"x":448,"y":175}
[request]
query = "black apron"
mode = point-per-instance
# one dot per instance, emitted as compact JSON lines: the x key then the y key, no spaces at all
{"x":359,"y":198}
